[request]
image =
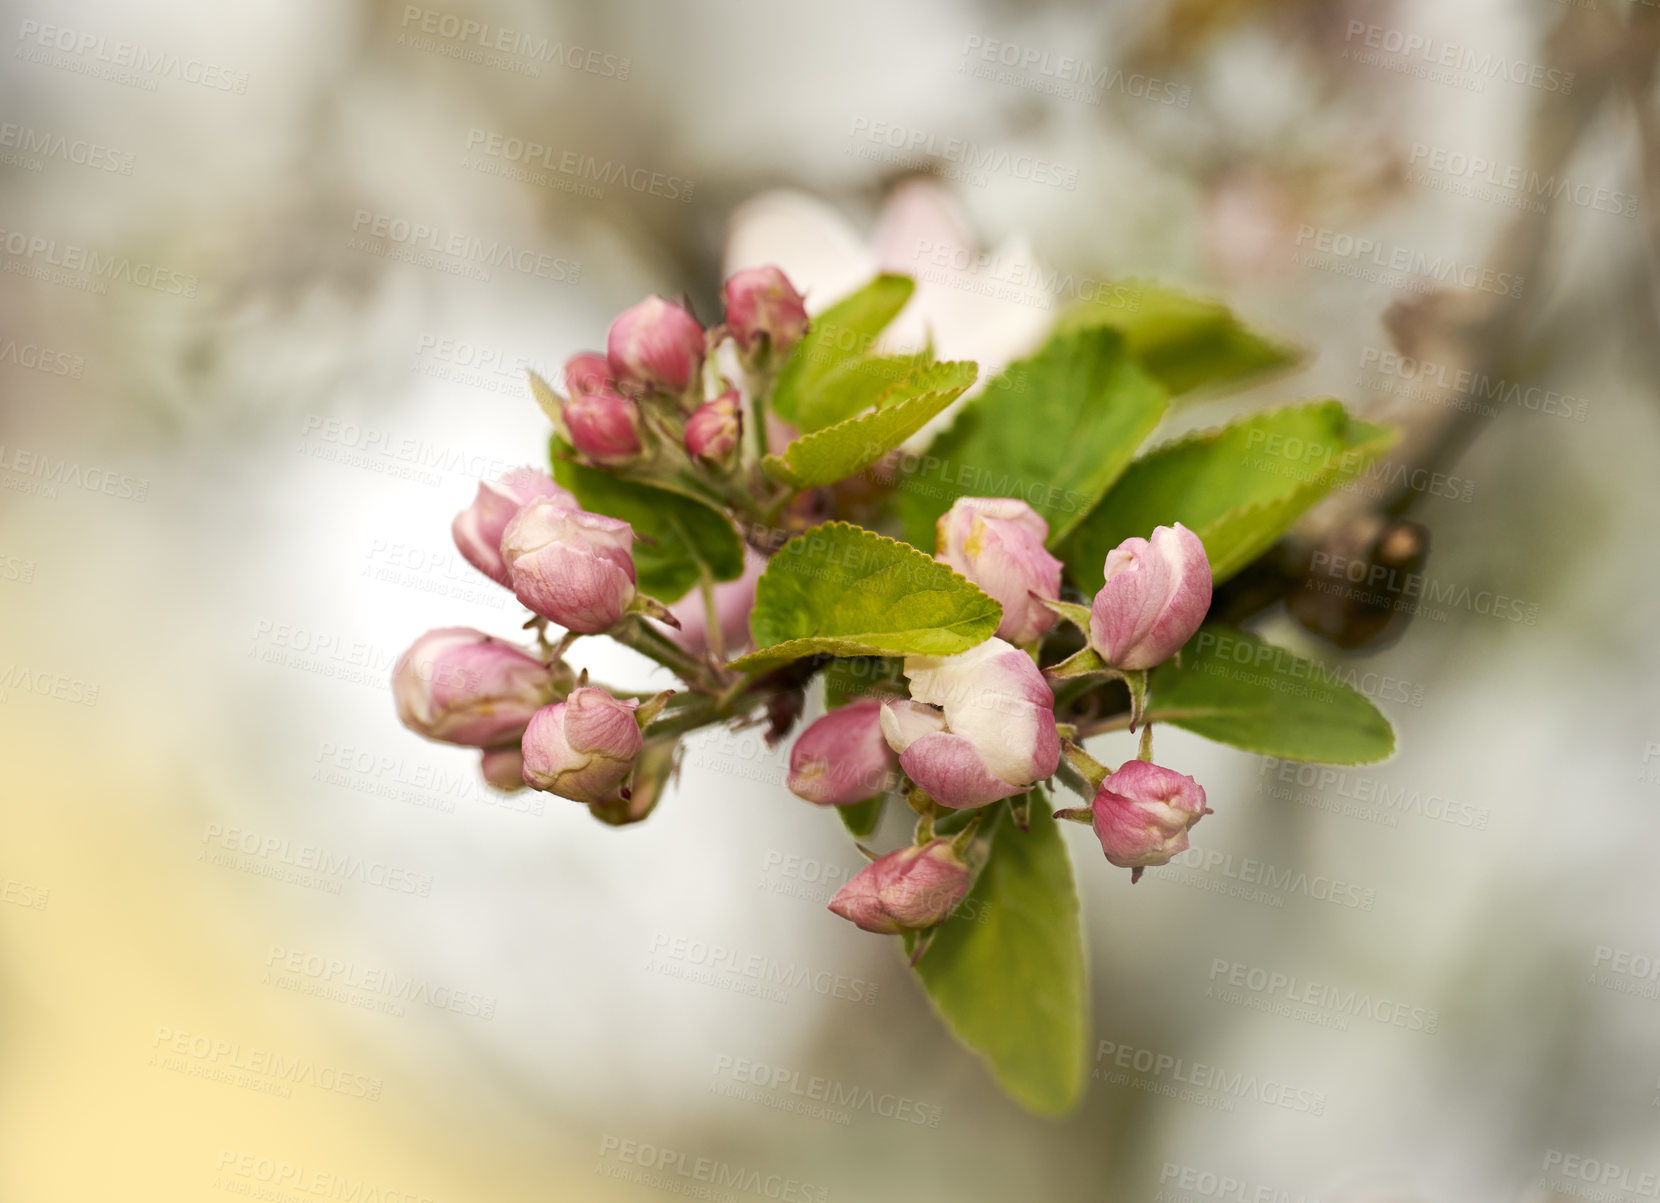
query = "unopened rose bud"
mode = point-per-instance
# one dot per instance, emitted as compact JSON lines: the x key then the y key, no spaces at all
{"x":503,"y":768}
{"x":656,"y":344}
{"x":461,"y":686}
{"x":587,"y":372}
{"x":604,"y":425}
{"x":713,"y":430}
{"x":1142,"y":812}
{"x":1156,"y":595}
{"x":992,"y":734}
{"x":478,"y":528}
{"x":762,"y":303}
{"x":570,"y":566}
{"x":907,"y":890}
{"x":843,"y":757}
{"x":583,"y":748}
{"x":997,"y":542}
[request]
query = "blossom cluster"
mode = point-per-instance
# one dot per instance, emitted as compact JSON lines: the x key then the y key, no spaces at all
{"x":964,"y":731}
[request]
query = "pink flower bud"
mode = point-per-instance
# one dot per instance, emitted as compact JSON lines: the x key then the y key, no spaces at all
{"x":656,"y":344}
{"x":504,"y":768}
{"x":583,"y":748}
{"x":907,"y":890}
{"x":761,"y":302}
{"x":604,"y":425}
{"x":571,"y":566}
{"x":842,"y":758}
{"x":478,"y":528}
{"x":461,"y":686}
{"x":587,"y":372}
{"x":993,"y":734}
{"x":713,"y":430}
{"x":997,"y":542}
{"x":1156,"y":595}
{"x":1142,"y":812}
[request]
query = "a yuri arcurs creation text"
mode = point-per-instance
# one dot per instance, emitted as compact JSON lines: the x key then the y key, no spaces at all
{"x":745,"y":504}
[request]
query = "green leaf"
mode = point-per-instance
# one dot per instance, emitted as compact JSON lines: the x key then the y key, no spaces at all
{"x":845,"y":331}
{"x":861,"y":818}
{"x":851,"y":678}
{"x":1234,"y":688}
{"x":1055,"y":430}
{"x":841,"y":590}
{"x":1186,"y":342}
{"x":680,"y":535}
{"x":1239,"y":487}
{"x":1006,"y":971}
{"x":838,"y":451}
{"x":853,"y":387}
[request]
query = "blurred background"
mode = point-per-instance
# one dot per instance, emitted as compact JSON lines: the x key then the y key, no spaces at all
{"x":259,"y":341}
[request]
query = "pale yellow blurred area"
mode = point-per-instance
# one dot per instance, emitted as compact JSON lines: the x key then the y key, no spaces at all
{"x":141,"y":955}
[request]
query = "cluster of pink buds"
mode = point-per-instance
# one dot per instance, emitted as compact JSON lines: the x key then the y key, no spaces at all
{"x":648,"y":389}
{"x":980,"y":726}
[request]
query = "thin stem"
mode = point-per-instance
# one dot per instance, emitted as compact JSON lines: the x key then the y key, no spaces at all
{"x":712,"y":633}
{"x":1146,"y":752}
{"x":653,"y":645}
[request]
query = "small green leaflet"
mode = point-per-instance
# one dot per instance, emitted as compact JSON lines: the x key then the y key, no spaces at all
{"x":1186,"y":343}
{"x":852,"y":387}
{"x":844,"y":332}
{"x":1239,"y":487}
{"x":1234,"y":688}
{"x":841,"y":590}
{"x":838,"y":451}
